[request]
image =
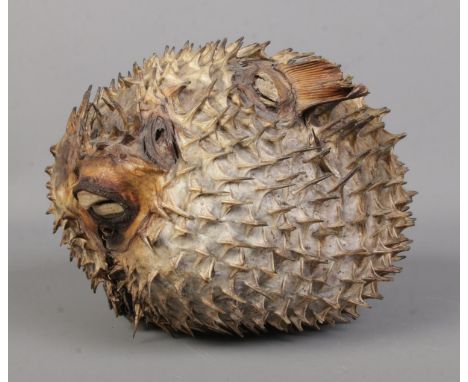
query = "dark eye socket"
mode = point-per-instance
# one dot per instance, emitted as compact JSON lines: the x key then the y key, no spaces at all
{"x":159,"y":143}
{"x":158,"y":134}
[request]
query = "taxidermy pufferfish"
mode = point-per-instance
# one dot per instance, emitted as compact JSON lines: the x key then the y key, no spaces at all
{"x":223,"y":190}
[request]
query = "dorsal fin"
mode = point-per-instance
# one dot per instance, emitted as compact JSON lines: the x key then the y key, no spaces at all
{"x":316,"y":81}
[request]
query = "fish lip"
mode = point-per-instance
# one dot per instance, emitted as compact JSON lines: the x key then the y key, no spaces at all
{"x":110,"y":229}
{"x":88,"y":184}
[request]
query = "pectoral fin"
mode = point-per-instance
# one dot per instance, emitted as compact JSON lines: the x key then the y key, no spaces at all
{"x":316,"y":81}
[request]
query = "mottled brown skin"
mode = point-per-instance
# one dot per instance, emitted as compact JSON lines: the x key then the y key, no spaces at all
{"x":225,"y":190}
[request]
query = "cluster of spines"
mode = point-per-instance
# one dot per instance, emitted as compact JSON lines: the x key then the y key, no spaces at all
{"x":363,"y":283}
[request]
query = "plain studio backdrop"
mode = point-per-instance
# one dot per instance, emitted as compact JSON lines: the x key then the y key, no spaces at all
{"x":406,"y":52}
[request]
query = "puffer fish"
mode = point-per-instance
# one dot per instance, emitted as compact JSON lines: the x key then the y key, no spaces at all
{"x":221,"y":189}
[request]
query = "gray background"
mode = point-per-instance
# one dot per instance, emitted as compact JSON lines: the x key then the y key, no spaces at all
{"x":406,"y":52}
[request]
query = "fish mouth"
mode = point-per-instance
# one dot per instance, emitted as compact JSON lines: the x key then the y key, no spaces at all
{"x":110,"y":212}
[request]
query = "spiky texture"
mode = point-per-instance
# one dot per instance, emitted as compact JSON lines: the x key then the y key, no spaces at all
{"x":259,"y":191}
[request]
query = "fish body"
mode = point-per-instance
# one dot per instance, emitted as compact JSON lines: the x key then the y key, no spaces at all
{"x":221,"y":189}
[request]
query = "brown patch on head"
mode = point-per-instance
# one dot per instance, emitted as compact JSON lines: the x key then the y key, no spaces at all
{"x":117,"y":172}
{"x":126,"y":191}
